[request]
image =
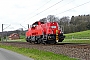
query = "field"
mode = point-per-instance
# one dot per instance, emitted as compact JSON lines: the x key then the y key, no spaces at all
{"x":85,"y":41}
{"x":78,"y":35}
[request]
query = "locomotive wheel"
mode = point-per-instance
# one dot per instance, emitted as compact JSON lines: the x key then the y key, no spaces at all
{"x":60,"y":40}
{"x":38,"y":41}
{"x":30,"y":41}
{"x":27,"y":39}
{"x":55,"y":43}
{"x":43,"y":42}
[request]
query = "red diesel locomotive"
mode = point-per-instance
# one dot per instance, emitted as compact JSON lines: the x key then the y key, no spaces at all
{"x":41,"y":32}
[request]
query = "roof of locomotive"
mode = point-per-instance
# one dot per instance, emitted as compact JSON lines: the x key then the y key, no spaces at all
{"x":40,"y":22}
{"x":37,"y":22}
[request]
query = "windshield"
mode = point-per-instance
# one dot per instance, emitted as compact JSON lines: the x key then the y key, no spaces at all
{"x":53,"y":26}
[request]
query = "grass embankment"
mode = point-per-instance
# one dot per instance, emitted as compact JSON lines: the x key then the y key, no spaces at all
{"x":76,"y":41}
{"x":18,"y":40}
{"x":37,"y":54}
{"x":78,"y":37}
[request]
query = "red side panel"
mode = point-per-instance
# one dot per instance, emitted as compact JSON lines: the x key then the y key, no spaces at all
{"x":27,"y":33}
{"x":36,"y":32}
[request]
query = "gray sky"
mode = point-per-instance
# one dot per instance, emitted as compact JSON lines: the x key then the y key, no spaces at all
{"x":16,"y":12}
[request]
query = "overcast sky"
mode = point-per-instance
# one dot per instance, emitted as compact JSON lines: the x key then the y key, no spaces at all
{"x":16,"y":12}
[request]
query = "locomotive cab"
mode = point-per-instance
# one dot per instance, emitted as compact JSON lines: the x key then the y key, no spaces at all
{"x":54,"y":33}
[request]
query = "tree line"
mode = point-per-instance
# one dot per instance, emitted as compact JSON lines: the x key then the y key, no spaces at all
{"x":70,"y":25}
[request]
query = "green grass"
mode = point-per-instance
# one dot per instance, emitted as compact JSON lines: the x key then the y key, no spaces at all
{"x":22,"y":36}
{"x":37,"y":54}
{"x":79,"y":35}
{"x":87,"y":41}
{"x":16,"y":40}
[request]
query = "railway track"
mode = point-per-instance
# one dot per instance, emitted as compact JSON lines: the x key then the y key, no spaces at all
{"x":72,"y":45}
{"x":67,"y":45}
{"x":76,"y":50}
